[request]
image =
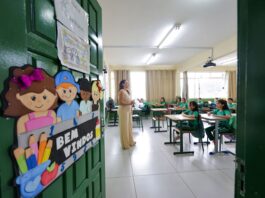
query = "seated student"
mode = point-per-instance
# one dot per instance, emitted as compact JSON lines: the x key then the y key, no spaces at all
{"x":110,"y":104}
{"x":213,"y":104}
{"x":162,"y":103}
{"x":141,"y":103}
{"x":223,"y":111}
{"x":193,"y":112}
{"x":200,"y":103}
{"x":177,"y":101}
{"x":231,"y":105}
{"x":183,"y":104}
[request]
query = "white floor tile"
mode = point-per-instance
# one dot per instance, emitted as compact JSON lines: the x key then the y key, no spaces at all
{"x":120,"y":188}
{"x":118,"y":165}
{"x":150,"y":163}
{"x":209,"y":184}
{"x":161,"y":186}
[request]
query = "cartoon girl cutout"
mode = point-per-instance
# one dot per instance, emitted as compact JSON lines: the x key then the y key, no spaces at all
{"x":97,"y":94}
{"x":31,"y":97}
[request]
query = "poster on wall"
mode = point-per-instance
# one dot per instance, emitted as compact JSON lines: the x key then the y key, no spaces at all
{"x":50,"y":137}
{"x":73,"y":52}
{"x":73,"y":16}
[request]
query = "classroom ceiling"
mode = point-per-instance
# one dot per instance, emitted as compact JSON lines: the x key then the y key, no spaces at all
{"x":132,"y":29}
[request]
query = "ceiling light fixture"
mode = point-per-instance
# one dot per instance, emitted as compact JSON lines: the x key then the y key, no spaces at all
{"x":210,"y":62}
{"x":169,"y":37}
{"x":151,"y":59}
{"x":227,"y":61}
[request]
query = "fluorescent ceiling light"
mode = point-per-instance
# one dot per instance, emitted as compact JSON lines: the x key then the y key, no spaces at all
{"x":151,"y":58}
{"x":169,"y":37}
{"x":227,"y":61}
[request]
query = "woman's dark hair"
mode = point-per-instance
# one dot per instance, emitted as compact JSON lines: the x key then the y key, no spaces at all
{"x":195,"y":104}
{"x":231,"y":99}
{"x":224,"y":103}
{"x":122,"y":84}
{"x":163,"y":99}
{"x":184,"y":99}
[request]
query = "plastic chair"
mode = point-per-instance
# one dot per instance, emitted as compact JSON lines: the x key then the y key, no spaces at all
{"x":138,"y":118}
{"x":229,"y":132}
{"x":197,"y":133}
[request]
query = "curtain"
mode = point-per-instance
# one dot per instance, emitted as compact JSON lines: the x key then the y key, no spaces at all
{"x":160,"y":83}
{"x":185,"y":89}
{"x":232,"y":84}
{"x":120,"y":75}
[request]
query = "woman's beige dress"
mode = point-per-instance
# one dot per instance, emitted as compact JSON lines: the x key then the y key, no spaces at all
{"x":125,"y":119}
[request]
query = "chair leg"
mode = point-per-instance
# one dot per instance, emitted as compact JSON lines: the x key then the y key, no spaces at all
{"x":142,"y":124}
{"x":221,"y":142}
{"x":189,"y":138}
{"x":200,"y":140}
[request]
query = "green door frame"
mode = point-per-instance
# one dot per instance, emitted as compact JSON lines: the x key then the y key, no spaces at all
{"x":250,"y":146}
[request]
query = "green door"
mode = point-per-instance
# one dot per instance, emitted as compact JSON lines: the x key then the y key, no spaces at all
{"x":250,"y":172}
{"x":28,"y":35}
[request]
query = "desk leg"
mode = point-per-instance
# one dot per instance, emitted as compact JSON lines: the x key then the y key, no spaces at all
{"x":216,"y":136}
{"x":170,"y":134}
{"x":215,"y":139}
{"x":181,"y":144}
{"x":158,"y":129}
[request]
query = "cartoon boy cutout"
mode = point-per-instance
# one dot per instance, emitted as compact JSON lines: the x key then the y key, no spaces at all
{"x":85,"y":93}
{"x":31,"y":97}
{"x":67,"y":90}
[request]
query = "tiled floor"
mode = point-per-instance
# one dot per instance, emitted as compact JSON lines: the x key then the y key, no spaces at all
{"x":150,"y":170}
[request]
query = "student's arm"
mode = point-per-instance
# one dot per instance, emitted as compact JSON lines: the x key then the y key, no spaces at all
{"x":194,"y":115}
{"x":227,"y":114}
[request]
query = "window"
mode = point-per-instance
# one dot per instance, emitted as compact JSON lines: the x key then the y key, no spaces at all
{"x":138,"y":84}
{"x":206,"y":84}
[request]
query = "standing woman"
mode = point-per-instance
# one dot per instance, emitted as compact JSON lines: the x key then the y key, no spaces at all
{"x":125,"y":115}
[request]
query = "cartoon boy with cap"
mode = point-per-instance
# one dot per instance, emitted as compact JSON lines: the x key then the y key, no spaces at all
{"x":67,"y":89}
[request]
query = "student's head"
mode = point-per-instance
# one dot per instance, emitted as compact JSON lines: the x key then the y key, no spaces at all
{"x":162,"y":99}
{"x":216,"y":99}
{"x":66,"y":87}
{"x":30,"y":90}
{"x":183,"y":99}
{"x":221,"y":104}
{"x":124,"y":84}
{"x":199,"y":98}
{"x":193,"y":106}
{"x":178,"y":99}
{"x":230,"y":100}
{"x":85,"y":89}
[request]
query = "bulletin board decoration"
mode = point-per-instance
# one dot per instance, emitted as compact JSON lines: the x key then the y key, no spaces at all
{"x":44,"y":154}
{"x":97,"y":93}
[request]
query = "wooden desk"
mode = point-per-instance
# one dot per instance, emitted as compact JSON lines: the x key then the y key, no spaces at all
{"x":178,"y":118}
{"x":215,"y":119}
